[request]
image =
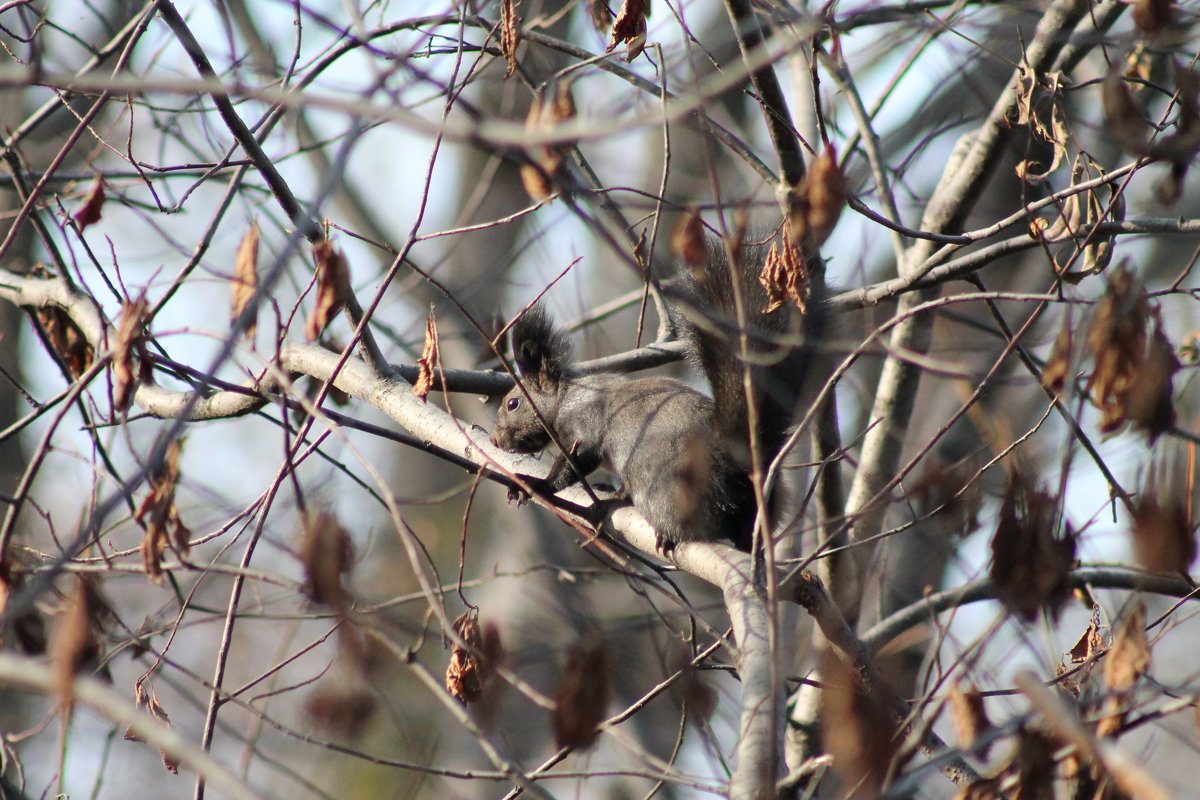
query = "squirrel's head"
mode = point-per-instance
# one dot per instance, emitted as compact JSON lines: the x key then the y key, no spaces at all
{"x":543,"y":356}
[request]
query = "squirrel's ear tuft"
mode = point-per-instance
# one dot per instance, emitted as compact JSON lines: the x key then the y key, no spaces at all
{"x":542,"y":351}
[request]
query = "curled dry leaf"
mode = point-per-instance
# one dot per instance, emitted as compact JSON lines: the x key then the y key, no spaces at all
{"x":1133,"y":378}
{"x":784,"y":275}
{"x":1058,"y":367}
{"x":160,"y":516}
{"x":75,"y":642}
{"x":66,"y":339}
{"x":129,"y":351}
{"x":548,"y":110}
{"x":1164,"y":538}
{"x":471,"y":667}
{"x":510,"y":34}
{"x":815,"y":206}
{"x":582,"y":696}
{"x":327,"y":555}
{"x":1082,"y":658}
{"x":333,"y":287}
{"x":968,"y":714}
{"x":1128,"y":660}
{"x":629,"y":28}
{"x":858,"y":729}
{"x":429,"y":362}
{"x":245,"y":280}
{"x":89,"y":212}
{"x":1031,"y":564}
{"x":149,"y":702}
{"x":688,"y":241}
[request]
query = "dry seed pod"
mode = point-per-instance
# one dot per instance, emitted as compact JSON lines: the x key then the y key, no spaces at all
{"x":245,"y":279}
{"x":327,"y":555}
{"x":472,"y":666}
{"x":510,"y":34}
{"x":333,"y":287}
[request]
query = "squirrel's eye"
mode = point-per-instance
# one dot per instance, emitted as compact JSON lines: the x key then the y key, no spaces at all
{"x":512,"y":403}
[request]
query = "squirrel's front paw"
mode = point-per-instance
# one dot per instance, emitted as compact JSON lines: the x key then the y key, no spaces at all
{"x":536,"y":486}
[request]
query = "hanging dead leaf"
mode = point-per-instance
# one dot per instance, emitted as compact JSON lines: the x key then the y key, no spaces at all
{"x":130,"y":360}
{"x":968,"y":714}
{"x":1129,"y":657}
{"x":549,"y":109}
{"x":327,"y":554}
{"x":582,"y":697}
{"x":858,"y":730}
{"x":149,"y":702}
{"x":471,"y":667}
{"x":1133,"y":378}
{"x":629,"y":28}
{"x":75,"y":642}
{"x":1091,"y":643}
{"x":1058,"y":367}
{"x":784,"y":275}
{"x":430,"y":362}
{"x":333,"y":287}
{"x":1128,"y":660}
{"x":510,"y":34}
{"x":688,"y":240}
{"x":1031,"y":564}
{"x":1164,"y":538}
{"x":89,"y":212}
{"x":815,"y":206}
{"x":245,"y":280}
{"x":66,"y":339}
{"x":160,"y":516}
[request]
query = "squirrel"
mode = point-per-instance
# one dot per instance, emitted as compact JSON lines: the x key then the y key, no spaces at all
{"x":683,"y":459}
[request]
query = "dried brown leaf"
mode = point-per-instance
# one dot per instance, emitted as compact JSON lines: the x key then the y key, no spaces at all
{"x":784,"y":275}
{"x":815,"y":206}
{"x":75,"y":643}
{"x":1133,"y":378}
{"x":582,"y":697}
{"x":430,"y":362}
{"x":89,"y":212}
{"x":333,"y":287}
{"x":629,"y":28}
{"x":1129,"y":657}
{"x":327,"y":555}
{"x":67,"y":340}
{"x":1031,"y":564}
{"x":130,"y":361}
{"x":968,"y":714}
{"x":149,"y":701}
{"x":160,"y":516}
{"x":510,"y":34}
{"x":471,"y":667}
{"x":1091,"y":643}
{"x":688,"y":240}
{"x":1164,"y":539}
{"x":1058,"y":367}
{"x":245,"y":279}
{"x":858,"y":730}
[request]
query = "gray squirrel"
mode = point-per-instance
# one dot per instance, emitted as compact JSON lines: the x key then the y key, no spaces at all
{"x":684,"y":459}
